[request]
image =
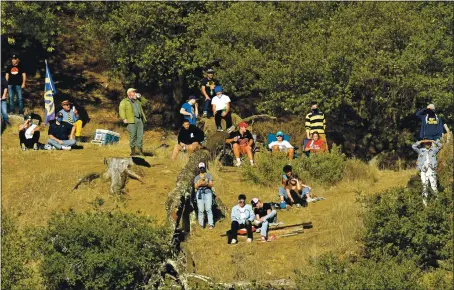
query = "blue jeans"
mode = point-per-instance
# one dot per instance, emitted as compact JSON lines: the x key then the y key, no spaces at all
{"x":57,"y":145}
{"x":266,"y":220}
{"x":205,"y":203}
{"x":15,"y":90}
{"x":207,"y":107}
{"x":4,"y":111}
{"x":297,"y":199}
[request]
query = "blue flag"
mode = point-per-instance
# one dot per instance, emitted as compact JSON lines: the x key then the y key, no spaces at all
{"x":49,"y":91}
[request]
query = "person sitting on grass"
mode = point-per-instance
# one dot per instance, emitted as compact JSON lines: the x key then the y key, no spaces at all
{"x":189,"y":139}
{"x":242,"y":143}
{"x":71,"y":115}
{"x":242,"y":217}
{"x":315,"y":145}
{"x":29,"y":134}
{"x":203,"y":184}
{"x":293,"y":191}
{"x":264,"y":214}
{"x":427,"y":165}
{"x":61,"y":134}
{"x":282,"y":145}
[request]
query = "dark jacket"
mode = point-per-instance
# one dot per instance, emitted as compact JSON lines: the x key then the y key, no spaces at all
{"x":191,"y":135}
{"x":430,"y":126}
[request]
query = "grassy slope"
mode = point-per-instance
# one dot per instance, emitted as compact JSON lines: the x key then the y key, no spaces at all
{"x":35,"y":184}
{"x":336,"y":225}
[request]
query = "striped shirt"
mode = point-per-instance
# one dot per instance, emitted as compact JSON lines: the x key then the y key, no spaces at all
{"x":315,"y":121}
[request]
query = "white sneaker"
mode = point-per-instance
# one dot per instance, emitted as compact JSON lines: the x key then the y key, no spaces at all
{"x":230,"y":130}
{"x":219,"y":129}
{"x":234,"y":241}
{"x":310,"y":199}
{"x":66,"y":147}
{"x":238,"y":164}
{"x":249,"y":240}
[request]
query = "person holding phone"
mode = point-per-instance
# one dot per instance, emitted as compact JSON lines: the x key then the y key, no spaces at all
{"x":29,"y":134}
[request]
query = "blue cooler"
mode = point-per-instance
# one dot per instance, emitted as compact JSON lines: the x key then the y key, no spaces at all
{"x":105,"y":137}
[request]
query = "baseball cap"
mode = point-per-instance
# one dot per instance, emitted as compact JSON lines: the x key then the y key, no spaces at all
{"x":202,"y":164}
{"x":27,"y":117}
{"x":242,"y":197}
{"x":243,"y":124}
{"x":431,"y":106}
{"x":15,"y":56}
{"x":254,"y":201}
{"x":210,"y":71}
{"x":217,"y":89}
{"x":192,"y":97}
{"x":280,"y":133}
{"x":130,"y":90}
{"x":65,"y":102}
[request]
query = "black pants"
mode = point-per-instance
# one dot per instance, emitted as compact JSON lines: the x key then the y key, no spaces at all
{"x":227,"y":118}
{"x":236,"y":226}
{"x":297,"y":198}
{"x":28,"y":142}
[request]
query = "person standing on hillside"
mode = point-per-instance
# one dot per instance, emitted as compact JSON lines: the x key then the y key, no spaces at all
{"x":315,"y":121}
{"x":190,"y":111}
{"x":207,"y":89}
{"x":131,"y":112}
{"x":16,"y":78}
{"x":427,"y":164}
{"x":4,"y":107}
{"x":204,"y":194}
{"x":71,"y":115}
{"x":221,"y":110}
{"x":431,"y":124}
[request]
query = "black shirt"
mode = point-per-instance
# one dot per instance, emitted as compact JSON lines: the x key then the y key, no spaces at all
{"x":262,"y":211}
{"x":61,"y":131}
{"x":206,"y":83}
{"x":243,"y":139}
{"x":191,"y":135}
{"x":15,"y":75}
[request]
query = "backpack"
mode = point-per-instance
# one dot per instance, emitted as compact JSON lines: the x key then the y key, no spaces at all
{"x":226,"y":160}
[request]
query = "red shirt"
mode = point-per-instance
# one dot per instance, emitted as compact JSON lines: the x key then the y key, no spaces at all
{"x":315,"y":146}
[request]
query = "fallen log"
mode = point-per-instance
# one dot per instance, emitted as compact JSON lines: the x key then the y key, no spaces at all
{"x":118,"y":171}
{"x":306,"y":225}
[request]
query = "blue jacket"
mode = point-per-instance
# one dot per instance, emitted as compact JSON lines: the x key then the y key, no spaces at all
{"x":437,"y":129}
{"x":73,"y":116}
{"x":236,"y":215}
{"x":431,"y":153}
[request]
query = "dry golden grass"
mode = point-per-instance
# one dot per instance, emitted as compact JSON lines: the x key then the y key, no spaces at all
{"x":35,"y":184}
{"x":336,"y":227}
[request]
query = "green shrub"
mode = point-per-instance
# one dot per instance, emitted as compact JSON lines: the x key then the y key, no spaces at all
{"x":397,"y":224}
{"x":101,"y":251}
{"x":15,"y":256}
{"x":326,"y":168}
{"x":445,"y":164}
{"x":388,"y":273}
{"x":267,"y":168}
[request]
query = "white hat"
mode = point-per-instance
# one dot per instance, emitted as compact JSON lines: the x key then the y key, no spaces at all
{"x":254,"y":201}
{"x":130,"y":90}
{"x":201,"y":164}
{"x":431,"y":106}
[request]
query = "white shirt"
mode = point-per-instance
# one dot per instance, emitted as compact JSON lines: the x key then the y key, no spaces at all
{"x":282,"y":145}
{"x":242,"y":213}
{"x":220,"y":101}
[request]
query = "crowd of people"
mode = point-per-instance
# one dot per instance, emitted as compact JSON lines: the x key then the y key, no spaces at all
{"x":65,"y":132}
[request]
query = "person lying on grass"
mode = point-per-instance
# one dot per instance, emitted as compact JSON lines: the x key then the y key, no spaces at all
{"x":242,"y":217}
{"x":264,"y":214}
{"x":293,"y":191}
